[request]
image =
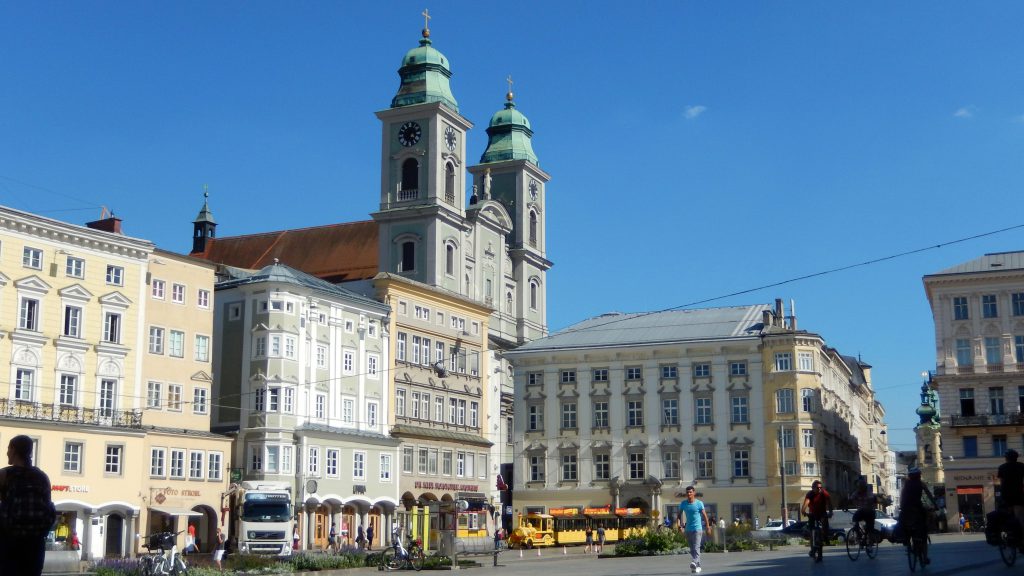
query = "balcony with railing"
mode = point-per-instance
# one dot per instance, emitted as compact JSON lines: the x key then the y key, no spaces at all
{"x":68,"y":414}
{"x":1007,"y":419}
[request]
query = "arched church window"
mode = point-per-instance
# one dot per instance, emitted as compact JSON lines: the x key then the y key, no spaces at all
{"x":533,"y":228}
{"x":409,"y":190}
{"x":408,"y":256}
{"x":469,"y":286}
{"x":508,"y":302}
{"x":487,"y":289}
{"x":449,"y":183}
{"x":449,"y":260}
{"x":533,"y":295}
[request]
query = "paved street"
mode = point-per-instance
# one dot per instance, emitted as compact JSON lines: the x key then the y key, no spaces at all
{"x":950,"y":553}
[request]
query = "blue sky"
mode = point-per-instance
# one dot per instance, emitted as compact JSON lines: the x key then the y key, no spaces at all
{"x":697,"y":149}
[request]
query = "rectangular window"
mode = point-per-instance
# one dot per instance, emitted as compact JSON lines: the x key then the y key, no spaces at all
{"x":432,"y":462}
{"x":995,"y":401}
{"x":75,"y":267}
{"x":385,"y":467}
{"x":28,"y":314}
{"x":178,"y":293}
{"x":702,"y":407}
{"x":213,"y":463}
{"x":447,"y":462}
{"x":421,"y":462}
{"x":807,"y":399}
{"x":784,"y":401}
{"x":156,"y":340}
{"x":400,"y":402}
{"x":474,"y":415}
{"x":634,"y":413}
{"x":158,"y":288}
{"x":670,"y":464}
{"x":600,"y":375}
{"x":107,"y":397}
{"x":202,"y":348}
{"x":788,"y":438}
{"x":400,"y":346}
{"x":289,"y":347}
{"x":741,"y":463}
{"x":32,"y":258}
{"x":112,"y":459}
{"x":783,"y":361}
{"x":416,"y":340}
{"x":737,"y":368}
{"x":970,"y":446}
{"x":415,"y":405}
{"x":156,"y":462}
{"x":600,"y":414}
{"x":115,"y":275}
{"x":988,"y":306}
{"x":1017,"y":299}
{"x":740,"y":409}
{"x":260,"y":349}
{"x":348,"y":411}
{"x":371,"y":366}
{"x":569,"y":416}
{"x":993,"y":351}
{"x":462,"y":413}
{"x":637,"y":470}
{"x":199,"y":400}
{"x":73,"y":321}
{"x":112,"y":327}
{"x":256,"y":458}
{"x":670,"y":412}
{"x":348,"y":359}
{"x":371,"y":414}
{"x":23,"y":385}
{"x":68,"y":393}
{"x":275,"y":346}
{"x":810,"y":468}
{"x":998,"y":445}
{"x":154,"y":398}
{"x":286,"y":459}
{"x":536,"y":468}
{"x":706,"y":463}
{"x":701,"y":370}
{"x":177,"y":464}
{"x":568,"y":376}
{"x":73,"y":457}
{"x":176,"y":344}
{"x":195,"y":465}
{"x":174,"y":396}
{"x":203,"y":298}
{"x":535,"y":379}
{"x":670,"y":371}
{"x":359,"y":465}
{"x":967,"y":402}
{"x":1018,"y":343}
{"x":806,"y":360}
{"x":407,"y":457}
{"x":535,"y":417}
{"x":633,"y":373}
{"x":288,"y":404}
{"x":602,"y":466}
{"x":790,"y":468}
{"x":313,"y":461}
{"x":438,"y":408}
{"x":568,"y":467}
{"x":960,"y":308}
{"x":320,"y":407}
{"x":808,"y":437}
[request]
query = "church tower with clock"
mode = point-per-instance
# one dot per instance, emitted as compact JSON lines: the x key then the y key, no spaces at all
{"x":489,"y":249}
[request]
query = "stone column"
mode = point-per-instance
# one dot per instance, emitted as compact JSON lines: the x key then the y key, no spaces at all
{"x":86,"y":538}
{"x":131,"y":520}
{"x":310,"y":542}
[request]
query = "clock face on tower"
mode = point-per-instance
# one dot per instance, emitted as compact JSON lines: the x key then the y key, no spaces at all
{"x":449,"y":138}
{"x":533,"y":189}
{"x":409,"y":134}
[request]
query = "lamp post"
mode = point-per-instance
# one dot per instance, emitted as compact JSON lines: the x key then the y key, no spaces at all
{"x":782,"y":475}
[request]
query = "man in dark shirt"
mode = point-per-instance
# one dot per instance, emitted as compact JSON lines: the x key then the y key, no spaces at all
{"x":1011,"y":484}
{"x":913,"y":515}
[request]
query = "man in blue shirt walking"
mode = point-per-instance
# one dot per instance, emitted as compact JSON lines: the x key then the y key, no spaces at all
{"x":694,"y":522}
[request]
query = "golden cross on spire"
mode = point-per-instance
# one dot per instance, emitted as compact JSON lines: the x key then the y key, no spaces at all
{"x":509,"y":95}
{"x":426,"y":22}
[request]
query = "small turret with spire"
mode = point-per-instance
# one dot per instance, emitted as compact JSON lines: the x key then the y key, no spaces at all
{"x":203,"y":227}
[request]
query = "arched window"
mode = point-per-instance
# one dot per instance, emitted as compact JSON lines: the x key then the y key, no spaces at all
{"x":408,"y":256}
{"x":533,"y":228}
{"x":533,"y":295}
{"x":449,"y":260}
{"x":508,"y":302}
{"x":449,"y":183}
{"x":409,"y":189}
{"x":487,"y":289}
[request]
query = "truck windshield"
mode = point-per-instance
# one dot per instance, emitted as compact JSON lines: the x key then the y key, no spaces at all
{"x":266,"y":511}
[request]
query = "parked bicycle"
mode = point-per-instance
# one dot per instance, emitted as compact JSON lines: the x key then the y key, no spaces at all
{"x":165,"y":562}
{"x":397,"y":556}
{"x":858,"y":539}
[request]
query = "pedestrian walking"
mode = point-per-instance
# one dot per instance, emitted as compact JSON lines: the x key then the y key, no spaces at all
{"x":590,"y":539}
{"x":360,"y":536}
{"x":696,"y":524}
{"x":332,"y":537}
{"x":963,"y":521}
{"x":218,"y":553}
{"x":26,"y":511}
{"x":600,"y":539}
{"x":369,"y":537}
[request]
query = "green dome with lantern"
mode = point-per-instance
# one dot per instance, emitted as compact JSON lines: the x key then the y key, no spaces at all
{"x":509,"y":136}
{"x":425,"y":77}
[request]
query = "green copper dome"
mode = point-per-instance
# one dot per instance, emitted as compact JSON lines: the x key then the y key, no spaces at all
{"x":425,"y":77}
{"x":508,"y":136}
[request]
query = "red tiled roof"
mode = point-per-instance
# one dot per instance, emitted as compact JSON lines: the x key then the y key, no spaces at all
{"x":335,"y":252}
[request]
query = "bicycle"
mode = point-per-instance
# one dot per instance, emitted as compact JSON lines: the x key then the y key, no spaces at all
{"x":396,"y":557}
{"x":858,"y":539}
{"x":817,"y":538}
{"x":917,"y":549}
{"x":160,"y":563}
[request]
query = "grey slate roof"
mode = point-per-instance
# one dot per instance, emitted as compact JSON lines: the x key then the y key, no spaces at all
{"x":278,"y":272}
{"x":994,"y":262}
{"x":630,"y":329}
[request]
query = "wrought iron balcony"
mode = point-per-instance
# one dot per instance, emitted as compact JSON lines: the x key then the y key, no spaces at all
{"x":1007,"y":419}
{"x":66,"y":414}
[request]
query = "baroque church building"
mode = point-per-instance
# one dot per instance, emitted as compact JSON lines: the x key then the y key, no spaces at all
{"x":457,"y":251}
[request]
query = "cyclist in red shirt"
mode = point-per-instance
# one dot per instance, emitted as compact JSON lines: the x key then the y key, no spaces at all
{"x":818,"y":506}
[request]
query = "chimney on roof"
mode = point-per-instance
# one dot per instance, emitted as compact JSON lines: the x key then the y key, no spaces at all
{"x":779,"y":321}
{"x":766,"y":318}
{"x":109,"y":223}
{"x":792,"y":315}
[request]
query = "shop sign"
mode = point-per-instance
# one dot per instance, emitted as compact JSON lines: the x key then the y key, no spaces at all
{"x":163,"y":493}
{"x":447,"y":486}
{"x":974,"y":477}
{"x":68,"y":488}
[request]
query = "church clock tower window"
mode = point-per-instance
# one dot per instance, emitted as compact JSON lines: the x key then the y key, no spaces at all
{"x":449,"y":261}
{"x":533,"y":295}
{"x":409,"y":189}
{"x":449,"y":183}
{"x":533,"y":228}
{"x":408,"y":256}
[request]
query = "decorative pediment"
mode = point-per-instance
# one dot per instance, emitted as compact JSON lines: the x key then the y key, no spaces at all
{"x":109,"y":368}
{"x":636,"y":443}
{"x":260,"y":327}
{"x":670,"y":443}
{"x":600,"y":445}
{"x":32,"y":284}
{"x":537,"y":446}
{"x":669,"y":386}
{"x":202,"y":376}
{"x":705,"y":442}
{"x":569,"y":392}
{"x":704,"y":386}
{"x":3,"y":280}
{"x":25,"y":357}
{"x":69,"y":363}
{"x":115,"y":299}
{"x":740,"y":440}
{"x":75,"y":292}
{"x":738,"y":385}
{"x":568,"y":445}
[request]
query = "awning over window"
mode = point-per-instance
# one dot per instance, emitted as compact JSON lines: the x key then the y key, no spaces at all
{"x":175,"y":511}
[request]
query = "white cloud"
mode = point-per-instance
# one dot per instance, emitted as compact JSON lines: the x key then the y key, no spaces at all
{"x":692,"y":112}
{"x":965,"y":112}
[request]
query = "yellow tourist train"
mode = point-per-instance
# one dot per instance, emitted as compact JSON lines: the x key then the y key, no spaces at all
{"x":565,"y":526}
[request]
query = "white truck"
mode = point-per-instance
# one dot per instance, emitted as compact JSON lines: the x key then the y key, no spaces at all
{"x":263,"y":519}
